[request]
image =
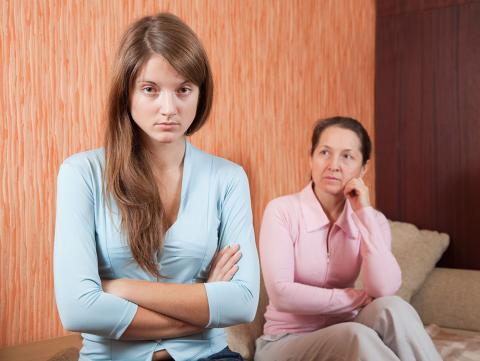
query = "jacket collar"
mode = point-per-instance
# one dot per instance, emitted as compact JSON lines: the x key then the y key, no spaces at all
{"x":315,"y":217}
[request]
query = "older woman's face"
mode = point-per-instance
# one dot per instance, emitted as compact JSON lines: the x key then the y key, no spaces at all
{"x":336,"y":160}
{"x":163,"y":103}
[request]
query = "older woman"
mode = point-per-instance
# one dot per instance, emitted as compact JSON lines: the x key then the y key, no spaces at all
{"x":314,"y":244}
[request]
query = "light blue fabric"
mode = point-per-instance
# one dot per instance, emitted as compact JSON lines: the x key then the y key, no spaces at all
{"x":214,"y":211}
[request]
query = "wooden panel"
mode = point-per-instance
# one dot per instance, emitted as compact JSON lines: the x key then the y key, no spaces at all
{"x":394,"y":7}
{"x":427,"y":106}
{"x":468,"y":86}
{"x":278,"y":66}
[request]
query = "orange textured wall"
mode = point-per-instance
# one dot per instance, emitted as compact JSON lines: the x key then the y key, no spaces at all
{"x":278,"y":66}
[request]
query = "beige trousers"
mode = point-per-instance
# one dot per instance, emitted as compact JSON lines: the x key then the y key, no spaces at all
{"x":387,"y":329}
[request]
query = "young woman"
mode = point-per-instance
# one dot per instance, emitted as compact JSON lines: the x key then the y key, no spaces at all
{"x":314,"y":244}
{"x":154,"y":244}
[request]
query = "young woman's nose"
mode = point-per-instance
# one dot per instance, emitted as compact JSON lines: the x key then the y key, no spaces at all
{"x":167,"y":103}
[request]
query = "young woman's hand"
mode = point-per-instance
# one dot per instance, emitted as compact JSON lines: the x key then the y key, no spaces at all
{"x":224,"y":264}
{"x":357,"y":193}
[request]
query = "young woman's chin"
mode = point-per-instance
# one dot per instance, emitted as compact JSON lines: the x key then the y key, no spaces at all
{"x":165,"y":137}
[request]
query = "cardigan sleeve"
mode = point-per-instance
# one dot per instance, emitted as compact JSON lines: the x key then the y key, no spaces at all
{"x":236,"y":301}
{"x":81,"y":302}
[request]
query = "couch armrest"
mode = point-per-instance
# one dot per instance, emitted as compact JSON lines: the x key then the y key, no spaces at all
{"x":450,"y":298}
{"x":63,"y":348}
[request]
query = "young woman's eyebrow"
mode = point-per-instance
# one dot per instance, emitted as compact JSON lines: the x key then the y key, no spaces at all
{"x":185,"y":82}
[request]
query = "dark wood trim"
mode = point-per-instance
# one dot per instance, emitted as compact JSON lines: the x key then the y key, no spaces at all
{"x":427,"y":124}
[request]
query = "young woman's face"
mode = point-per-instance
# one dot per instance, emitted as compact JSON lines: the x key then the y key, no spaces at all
{"x":336,"y":160}
{"x":163,"y":103}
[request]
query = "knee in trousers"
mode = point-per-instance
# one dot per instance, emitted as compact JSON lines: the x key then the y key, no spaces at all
{"x":392,"y":304}
{"x":355,"y":331}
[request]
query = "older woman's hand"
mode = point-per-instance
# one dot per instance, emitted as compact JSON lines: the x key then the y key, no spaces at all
{"x":357,"y":193}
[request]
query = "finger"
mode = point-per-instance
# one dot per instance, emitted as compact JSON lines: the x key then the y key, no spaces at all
{"x":218,"y":255}
{"x":229,"y":252}
{"x":232,"y":261}
{"x":350,"y":190}
{"x":351,"y":183}
{"x":229,"y":275}
{"x":226,"y":268}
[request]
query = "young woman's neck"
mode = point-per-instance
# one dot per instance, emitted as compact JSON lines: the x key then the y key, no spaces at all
{"x":167,"y":156}
{"x":332,"y":204}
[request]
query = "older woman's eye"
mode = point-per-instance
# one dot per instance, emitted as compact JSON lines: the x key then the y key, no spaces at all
{"x":323,"y":152}
{"x":348,"y":156}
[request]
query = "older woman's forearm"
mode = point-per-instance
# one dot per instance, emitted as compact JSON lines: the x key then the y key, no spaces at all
{"x":381,"y":274}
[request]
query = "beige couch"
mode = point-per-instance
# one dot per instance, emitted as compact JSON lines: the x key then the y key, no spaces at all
{"x":446,"y":299}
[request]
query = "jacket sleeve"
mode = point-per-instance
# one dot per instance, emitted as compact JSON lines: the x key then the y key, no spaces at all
{"x":236,"y":301}
{"x":380,"y":273}
{"x":277,"y":254}
{"x":81,"y":302}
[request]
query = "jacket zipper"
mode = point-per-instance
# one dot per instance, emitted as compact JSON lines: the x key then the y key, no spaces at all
{"x":328,"y":256}
{"x":328,"y":244}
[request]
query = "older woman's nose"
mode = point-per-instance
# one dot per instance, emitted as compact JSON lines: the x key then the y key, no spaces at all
{"x":334,"y":164}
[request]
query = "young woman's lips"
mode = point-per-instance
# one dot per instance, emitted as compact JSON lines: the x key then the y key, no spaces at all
{"x":166,"y":125}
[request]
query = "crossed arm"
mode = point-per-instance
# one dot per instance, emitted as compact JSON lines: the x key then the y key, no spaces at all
{"x":169,"y":310}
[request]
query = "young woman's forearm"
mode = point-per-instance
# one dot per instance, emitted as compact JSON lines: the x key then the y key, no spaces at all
{"x":150,"y":325}
{"x":184,"y":302}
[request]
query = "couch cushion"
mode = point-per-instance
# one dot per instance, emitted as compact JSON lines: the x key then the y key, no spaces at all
{"x":417,"y":252}
{"x":450,"y":298}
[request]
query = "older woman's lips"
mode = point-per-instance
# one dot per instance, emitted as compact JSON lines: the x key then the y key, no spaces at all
{"x":331,"y":178}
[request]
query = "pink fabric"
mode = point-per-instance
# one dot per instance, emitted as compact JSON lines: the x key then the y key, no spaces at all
{"x":309,"y":289}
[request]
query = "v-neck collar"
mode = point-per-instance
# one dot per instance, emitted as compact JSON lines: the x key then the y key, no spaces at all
{"x":185,"y":183}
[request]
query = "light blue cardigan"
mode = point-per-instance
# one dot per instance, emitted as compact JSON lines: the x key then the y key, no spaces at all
{"x":89,"y":246}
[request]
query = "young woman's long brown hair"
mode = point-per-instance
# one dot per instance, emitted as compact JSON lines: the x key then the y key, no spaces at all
{"x":128,"y":174}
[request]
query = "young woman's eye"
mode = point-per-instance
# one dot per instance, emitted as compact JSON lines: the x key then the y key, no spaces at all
{"x":148,"y":89}
{"x":323,"y":152}
{"x":184,"y":90}
{"x":348,"y":156}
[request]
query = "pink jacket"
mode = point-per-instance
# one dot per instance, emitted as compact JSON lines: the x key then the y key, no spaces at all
{"x":309,"y":277}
